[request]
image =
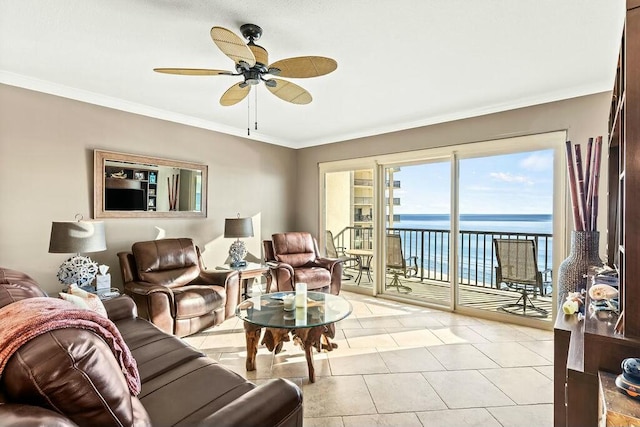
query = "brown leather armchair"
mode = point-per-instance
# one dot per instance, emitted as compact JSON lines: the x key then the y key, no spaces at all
{"x":167,"y":280}
{"x":294,"y":258}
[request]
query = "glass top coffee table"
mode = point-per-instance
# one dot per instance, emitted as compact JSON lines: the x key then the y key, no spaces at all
{"x":311,"y":325}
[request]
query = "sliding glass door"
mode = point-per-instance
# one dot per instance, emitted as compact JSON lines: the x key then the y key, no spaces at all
{"x":348,"y":223}
{"x":452,"y":226}
{"x":417,"y":231}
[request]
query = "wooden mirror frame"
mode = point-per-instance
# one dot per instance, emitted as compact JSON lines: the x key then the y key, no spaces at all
{"x":99,"y":159}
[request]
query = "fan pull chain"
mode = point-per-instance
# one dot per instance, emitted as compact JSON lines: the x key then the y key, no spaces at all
{"x":256,"y":103}
{"x":248,"y":115}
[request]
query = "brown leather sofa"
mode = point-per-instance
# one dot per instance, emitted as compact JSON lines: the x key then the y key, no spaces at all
{"x":69,"y":377}
{"x":167,"y":280}
{"x":294,"y":257}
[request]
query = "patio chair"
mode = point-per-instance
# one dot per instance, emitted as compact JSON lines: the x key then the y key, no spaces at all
{"x":339,"y":253}
{"x":397,"y":264}
{"x":518,"y":269}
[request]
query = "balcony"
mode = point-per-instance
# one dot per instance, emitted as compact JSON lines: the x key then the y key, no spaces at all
{"x":476,"y":264}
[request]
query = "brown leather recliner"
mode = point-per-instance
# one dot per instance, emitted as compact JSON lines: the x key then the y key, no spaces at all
{"x":167,"y":280}
{"x":294,"y":258}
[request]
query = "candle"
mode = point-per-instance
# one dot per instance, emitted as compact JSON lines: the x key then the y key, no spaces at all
{"x":301,"y":316}
{"x":289,"y":302}
{"x":301,"y":295}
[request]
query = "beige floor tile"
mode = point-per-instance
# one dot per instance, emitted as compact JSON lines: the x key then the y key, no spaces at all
{"x":500,"y":333}
{"x":453,"y":319}
{"x":547,"y":371}
{"x":535,"y":415}
{"x":543,"y":348}
{"x":410,"y":360}
{"x":356,"y":361}
{"x":466,"y":389}
{"x":536,"y":334}
{"x":523,"y":385}
{"x":291,"y":365}
{"x":403,"y":392}
{"x":382,"y":420}
{"x":473,"y":417}
{"x":195,"y":341}
{"x":461,"y":356}
{"x":421,"y":320}
{"x":323,"y":422}
{"x":414,"y":337}
{"x":349,"y":323}
{"x":337,"y":396}
{"x":237,"y":363}
{"x":457,"y":335}
{"x":381,"y":322}
{"x":511,"y":354}
{"x":369,"y":338}
{"x":225,"y":341}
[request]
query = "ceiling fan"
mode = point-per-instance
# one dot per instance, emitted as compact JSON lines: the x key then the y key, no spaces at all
{"x":252,"y":63}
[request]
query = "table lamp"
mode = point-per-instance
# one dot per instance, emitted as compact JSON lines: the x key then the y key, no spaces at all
{"x":77,"y":237}
{"x":237,"y":228}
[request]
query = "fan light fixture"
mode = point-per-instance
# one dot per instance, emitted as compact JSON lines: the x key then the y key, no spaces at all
{"x":251,"y":62}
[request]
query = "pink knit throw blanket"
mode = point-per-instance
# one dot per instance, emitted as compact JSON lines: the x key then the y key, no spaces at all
{"x":26,"y":319}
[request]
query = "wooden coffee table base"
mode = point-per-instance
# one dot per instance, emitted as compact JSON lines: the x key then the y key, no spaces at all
{"x":308,"y":338}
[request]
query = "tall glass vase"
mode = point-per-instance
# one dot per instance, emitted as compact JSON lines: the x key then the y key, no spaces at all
{"x":584,"y":254}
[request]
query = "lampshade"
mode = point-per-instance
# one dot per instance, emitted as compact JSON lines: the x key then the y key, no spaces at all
{"x":238,"y":227}
{"x":77,"y":237}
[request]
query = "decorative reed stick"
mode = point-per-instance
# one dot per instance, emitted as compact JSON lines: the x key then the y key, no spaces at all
{"x":574,"y":191}
{"x":584,"y":184}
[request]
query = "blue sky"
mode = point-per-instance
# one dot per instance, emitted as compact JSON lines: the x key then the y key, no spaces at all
{"x":505,"y":184}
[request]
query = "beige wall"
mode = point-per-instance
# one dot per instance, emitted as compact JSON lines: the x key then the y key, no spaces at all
{"x":46,"y":170}
{"x":581,"y":117}
{"x":46,"y":174}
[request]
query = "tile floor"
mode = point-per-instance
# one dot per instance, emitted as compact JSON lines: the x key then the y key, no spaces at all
{"x":401,"y":365}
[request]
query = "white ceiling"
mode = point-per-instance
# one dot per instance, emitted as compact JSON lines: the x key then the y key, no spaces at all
{"x":401,"y":63}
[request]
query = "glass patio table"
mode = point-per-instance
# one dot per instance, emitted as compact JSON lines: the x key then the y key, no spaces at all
{"x":312,"y":326}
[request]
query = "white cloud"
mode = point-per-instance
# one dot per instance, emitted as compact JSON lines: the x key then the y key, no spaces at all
{"x":508,"y":177}
{"x":537,"y":162}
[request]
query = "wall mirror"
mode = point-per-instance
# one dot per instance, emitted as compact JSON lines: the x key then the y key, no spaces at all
{"x":130,"y":186}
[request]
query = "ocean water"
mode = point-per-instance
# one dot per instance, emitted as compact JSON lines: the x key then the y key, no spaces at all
{"x":476,"y":256}
{"x":513,"y":223}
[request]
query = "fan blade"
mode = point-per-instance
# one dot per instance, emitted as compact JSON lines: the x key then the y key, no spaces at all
{"x":234,"y":94}
{"x":290,"y":92}
{"x":304,"y":66}
{"x":193,"y":71}
{"x":232,"y":46}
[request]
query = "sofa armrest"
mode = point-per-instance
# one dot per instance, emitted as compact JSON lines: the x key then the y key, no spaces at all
{"x":277,"y":402}
{"x":328,"y":263}
{"x":275,"y":265}
{"x":122,"y":307}
{"x":216,"y":277}
{"x":21,"y":415}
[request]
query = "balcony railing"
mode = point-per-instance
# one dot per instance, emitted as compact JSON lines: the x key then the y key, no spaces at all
{"x":477,"y":259}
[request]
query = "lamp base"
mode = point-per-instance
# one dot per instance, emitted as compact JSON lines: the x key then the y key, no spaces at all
{"x":236,"y":264}
{"x":237,"y":252}
{"x":78,"y":269}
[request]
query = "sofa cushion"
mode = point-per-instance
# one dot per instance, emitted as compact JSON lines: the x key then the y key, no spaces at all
{"x":155,"y":352}
{"x":198,"y":300}
{"x":169,"y":262}
{"x":295,"y":249}
{"x":210,"y":389}
{"x":314,"y":277}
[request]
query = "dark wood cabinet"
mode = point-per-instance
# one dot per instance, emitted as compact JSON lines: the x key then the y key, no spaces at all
{"x":582,"y":349}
